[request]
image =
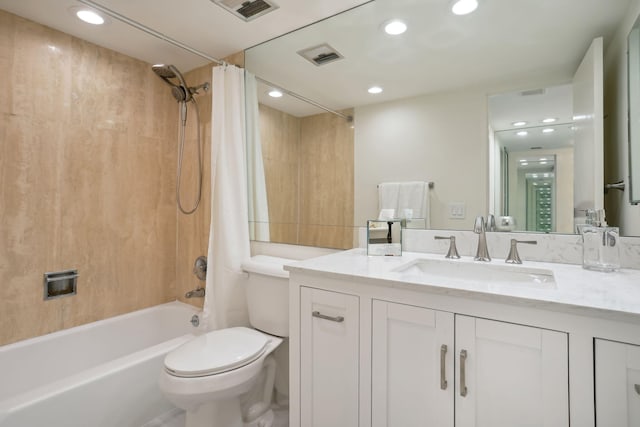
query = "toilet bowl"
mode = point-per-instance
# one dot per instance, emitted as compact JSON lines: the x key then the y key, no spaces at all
{"x":207,"y":375}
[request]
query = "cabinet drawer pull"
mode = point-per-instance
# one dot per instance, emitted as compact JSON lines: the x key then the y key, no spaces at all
{"x":443,"y":375}
{"x":319,"y":315}
{"x":463,"y":382}
{"x":637,"y":387}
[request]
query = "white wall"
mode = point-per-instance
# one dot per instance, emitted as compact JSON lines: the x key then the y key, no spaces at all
{"x":416,"y":139}
{"x":439,"y":137}
{"x":619,"y":211}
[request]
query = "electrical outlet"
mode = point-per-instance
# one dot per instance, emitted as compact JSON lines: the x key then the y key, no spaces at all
{"x":457,"y":210}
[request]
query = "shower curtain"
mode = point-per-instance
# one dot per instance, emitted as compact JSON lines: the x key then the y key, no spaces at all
{"x":258,"y":208}
{"x":224,"y":303}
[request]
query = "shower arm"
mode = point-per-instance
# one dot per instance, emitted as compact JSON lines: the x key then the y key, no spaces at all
{"x":204,"y":86}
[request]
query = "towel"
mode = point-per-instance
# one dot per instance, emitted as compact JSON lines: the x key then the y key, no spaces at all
{"x":412,"y":195}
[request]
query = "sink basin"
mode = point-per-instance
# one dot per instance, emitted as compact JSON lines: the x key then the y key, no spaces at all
{"x":438,"y":270}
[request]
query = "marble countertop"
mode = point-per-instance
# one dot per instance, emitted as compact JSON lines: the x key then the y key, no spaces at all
{"x":614,"y":295}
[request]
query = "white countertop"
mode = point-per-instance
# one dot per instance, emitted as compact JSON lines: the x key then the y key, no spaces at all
{"x":614,"y":295}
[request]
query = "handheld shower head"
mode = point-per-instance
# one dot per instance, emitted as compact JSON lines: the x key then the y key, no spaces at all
{"x":180,"y":91}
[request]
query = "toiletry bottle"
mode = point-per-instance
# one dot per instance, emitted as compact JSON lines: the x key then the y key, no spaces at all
{"x":600,"y":245}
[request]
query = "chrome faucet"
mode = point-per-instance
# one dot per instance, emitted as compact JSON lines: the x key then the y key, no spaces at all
{"x":453,"y":251}
{"x":482,"y":254}
{"x":514,"y":257}
{"x":196,"y":293}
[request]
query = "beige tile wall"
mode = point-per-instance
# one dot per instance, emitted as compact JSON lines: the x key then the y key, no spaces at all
{"x":309,"y":174}
{"x":87,"y":163}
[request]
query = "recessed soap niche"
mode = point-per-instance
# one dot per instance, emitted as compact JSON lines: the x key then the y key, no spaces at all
{"x":59,"y":284}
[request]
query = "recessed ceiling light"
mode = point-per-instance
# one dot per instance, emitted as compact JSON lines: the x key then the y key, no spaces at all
{"x":395,"y":27}
{"x":524,"y":163}
{"x":543,"y":158}
{"x":548,"y":130}
{"x":374,"y":89}
{"x":90,"y":17}
{"x":543,"y":163}
{"x":522,"y":133}
{"x":549,"y":120}
{"x":464,"y":7}
{"x":520,"y":123}
{"x":275,"y":93}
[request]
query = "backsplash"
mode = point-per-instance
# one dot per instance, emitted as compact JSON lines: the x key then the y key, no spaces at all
{"x":560,"y":248}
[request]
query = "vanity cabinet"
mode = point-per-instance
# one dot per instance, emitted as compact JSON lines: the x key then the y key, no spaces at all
{"x":329,"y":358}
{"x":617,"y":382}
{"x":505,"y":374}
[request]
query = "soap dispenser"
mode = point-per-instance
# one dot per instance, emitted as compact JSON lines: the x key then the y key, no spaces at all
{"x":600,"y":244}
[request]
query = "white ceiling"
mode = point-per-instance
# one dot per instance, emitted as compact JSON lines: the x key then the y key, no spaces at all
{"x":504,"y":40}
{"x":200,"y":24}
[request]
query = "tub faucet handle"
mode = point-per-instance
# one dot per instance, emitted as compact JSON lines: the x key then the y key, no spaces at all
{"x":196,"y":293}
{"x":453,"y":251}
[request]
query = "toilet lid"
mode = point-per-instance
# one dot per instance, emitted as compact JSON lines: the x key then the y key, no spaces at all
{"x":216,"y":352}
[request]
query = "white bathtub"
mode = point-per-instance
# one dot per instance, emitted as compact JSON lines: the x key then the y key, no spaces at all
{"x":103,"y":374}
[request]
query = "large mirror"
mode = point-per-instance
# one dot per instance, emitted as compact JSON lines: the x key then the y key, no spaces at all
{"x":436,"y":119}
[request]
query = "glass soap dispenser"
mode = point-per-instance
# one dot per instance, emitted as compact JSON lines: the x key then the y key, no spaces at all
{"x":600,"y":244}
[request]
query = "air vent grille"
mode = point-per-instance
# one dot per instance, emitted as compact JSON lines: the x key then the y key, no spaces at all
{"x":247,"y":10}
{"x":250,"y":9}
{"x":533,"y":92}
{"x":321,"y":54}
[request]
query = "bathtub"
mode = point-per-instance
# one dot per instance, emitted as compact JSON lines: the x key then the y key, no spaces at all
{"x":103,"y":374}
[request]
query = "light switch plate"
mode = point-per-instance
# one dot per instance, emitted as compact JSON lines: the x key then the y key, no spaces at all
{"x":457,"y":210}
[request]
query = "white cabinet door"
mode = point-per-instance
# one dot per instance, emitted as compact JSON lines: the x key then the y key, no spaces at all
{"x":329,"y":358}
{"x":510,"y":375}
{"x":412,"y":366}
{"x":617,"y":384}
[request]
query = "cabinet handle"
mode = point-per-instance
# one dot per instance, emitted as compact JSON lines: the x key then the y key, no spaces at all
{"x":637,"y":387}
{"x":319,"y":315}
{"x":463,"y":385}
{"x":443,"y":379}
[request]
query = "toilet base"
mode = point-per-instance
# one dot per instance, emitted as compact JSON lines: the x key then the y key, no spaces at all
{"x":217,"y":413}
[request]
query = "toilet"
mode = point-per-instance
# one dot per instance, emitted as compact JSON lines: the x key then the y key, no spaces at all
{"x":211,"y":376}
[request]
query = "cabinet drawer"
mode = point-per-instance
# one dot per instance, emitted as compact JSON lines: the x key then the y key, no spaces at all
{"x":329,"y":356}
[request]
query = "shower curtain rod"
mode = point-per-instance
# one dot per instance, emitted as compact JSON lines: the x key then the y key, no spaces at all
{"x":156,"y":34}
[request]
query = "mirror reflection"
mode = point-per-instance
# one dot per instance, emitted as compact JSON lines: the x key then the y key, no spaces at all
{"x":432,"y":120}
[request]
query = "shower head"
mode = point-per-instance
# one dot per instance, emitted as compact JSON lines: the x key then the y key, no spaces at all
{"x":180,"y":90}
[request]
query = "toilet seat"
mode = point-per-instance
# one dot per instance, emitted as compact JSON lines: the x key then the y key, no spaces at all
{"x":216,"y":352}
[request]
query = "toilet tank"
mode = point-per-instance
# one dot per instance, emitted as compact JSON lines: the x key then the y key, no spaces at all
{"x":268,"y":294}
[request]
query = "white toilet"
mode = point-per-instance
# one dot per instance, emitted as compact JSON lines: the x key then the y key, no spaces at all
{"x":207,"y":376}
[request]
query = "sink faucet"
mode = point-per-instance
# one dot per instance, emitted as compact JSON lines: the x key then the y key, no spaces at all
{"x":482,"y":254}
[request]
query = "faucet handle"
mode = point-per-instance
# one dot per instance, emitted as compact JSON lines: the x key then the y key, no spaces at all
{"x":513,"y":257}
{"x":453,"y":251}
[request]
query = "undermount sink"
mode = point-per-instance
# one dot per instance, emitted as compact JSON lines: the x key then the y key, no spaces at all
{"x":433,"y":269}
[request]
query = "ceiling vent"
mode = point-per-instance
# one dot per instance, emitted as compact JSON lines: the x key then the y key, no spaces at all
{"x":533,"y":92}
{"x":321,"y":54}
{"x":247,"y":10}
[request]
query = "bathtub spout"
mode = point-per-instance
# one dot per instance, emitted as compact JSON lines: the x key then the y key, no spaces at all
{"x":196,"y":293}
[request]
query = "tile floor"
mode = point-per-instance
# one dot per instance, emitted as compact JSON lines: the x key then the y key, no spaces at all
{"x":175,"y":418}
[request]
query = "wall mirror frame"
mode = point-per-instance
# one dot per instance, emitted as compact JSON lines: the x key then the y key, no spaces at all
{"x":440,"y":117}
{"x":633,"y":74}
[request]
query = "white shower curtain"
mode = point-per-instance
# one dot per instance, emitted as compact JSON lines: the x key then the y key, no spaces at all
{"x":258,"y":207}
{"x":224,"y":303}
